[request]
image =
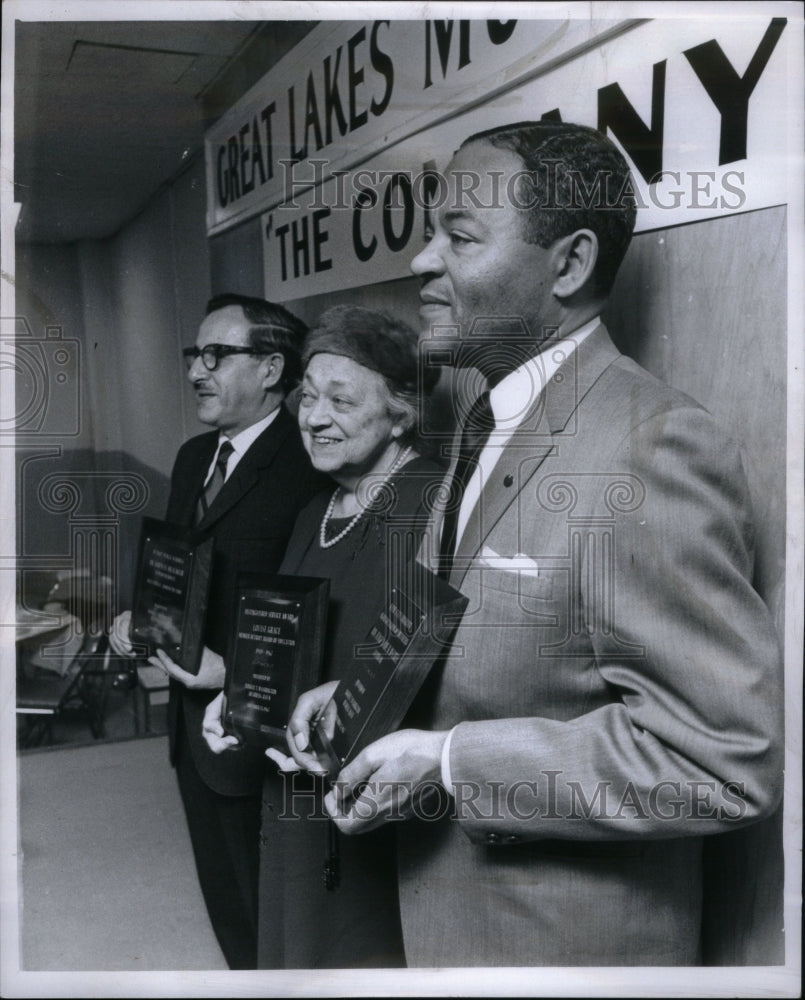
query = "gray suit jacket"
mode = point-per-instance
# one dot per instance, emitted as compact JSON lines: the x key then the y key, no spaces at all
{"x":617,"y":694}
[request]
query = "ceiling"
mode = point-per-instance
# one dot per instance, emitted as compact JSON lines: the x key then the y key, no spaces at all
{"x":106,"y":112}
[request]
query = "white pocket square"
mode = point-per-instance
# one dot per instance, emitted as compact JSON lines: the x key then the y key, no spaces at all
{"x":518,"y":563}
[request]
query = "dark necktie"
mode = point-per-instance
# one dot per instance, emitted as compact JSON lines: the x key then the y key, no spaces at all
{"x":216,"y":481}
{"x":474,"y":435}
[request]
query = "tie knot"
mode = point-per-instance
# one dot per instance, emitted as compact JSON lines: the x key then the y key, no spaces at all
{"x":224,"y":452}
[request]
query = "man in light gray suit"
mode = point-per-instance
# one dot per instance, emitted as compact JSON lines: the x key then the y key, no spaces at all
{"x":614,"y":691}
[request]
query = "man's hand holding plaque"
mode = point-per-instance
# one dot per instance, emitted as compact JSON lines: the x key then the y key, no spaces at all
{"x":120,"y":636}
{"x":211,"y":671}
{"x":386,"y":779}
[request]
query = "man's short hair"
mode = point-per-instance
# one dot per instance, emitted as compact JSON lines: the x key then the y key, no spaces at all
{"x":575,"y":178}
{"x":273,"y":330}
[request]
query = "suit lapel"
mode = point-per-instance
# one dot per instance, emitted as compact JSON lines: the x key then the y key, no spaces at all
{"x":519,"y":461}
{"x":189,"y":479}
{"x":576,"y":376}
{"x":551,"y":415}
{"x":247,"y":471}
{"x":429,"y":546}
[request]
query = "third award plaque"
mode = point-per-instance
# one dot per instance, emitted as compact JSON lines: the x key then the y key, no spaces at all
{"x":412,"y":630}
{"x":275,"y":655}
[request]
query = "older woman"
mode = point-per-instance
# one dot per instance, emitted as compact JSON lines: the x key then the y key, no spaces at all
{"x":357,"y":412}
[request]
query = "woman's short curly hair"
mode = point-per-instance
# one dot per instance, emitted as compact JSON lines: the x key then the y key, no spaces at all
{"x":382,"y":343}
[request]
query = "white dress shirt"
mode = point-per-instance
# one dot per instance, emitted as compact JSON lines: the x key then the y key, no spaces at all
{"x":240,"y":443}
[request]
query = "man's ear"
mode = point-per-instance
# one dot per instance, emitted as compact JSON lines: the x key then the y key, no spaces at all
{"x":574,"y":258}
{"x":275,"y":363}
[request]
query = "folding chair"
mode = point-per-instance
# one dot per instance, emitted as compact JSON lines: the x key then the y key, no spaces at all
{"x":67,"y":671}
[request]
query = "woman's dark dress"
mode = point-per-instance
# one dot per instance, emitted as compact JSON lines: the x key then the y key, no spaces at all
{"x":302,"y":925}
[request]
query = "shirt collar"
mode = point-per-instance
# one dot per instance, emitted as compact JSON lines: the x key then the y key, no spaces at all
{"x":243,"y":440}
{"x":515,"y":394}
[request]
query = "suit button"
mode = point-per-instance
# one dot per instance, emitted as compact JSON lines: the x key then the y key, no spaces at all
{"x":508,"y":480}
{"x":493,"y":838}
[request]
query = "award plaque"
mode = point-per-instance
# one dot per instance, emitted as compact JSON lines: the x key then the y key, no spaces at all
{"x":413,"y":629}
{"x":275,"y":654}
{"x":170,"y":592}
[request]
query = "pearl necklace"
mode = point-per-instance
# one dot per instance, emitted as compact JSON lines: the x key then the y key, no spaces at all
{"x":323,"y":542}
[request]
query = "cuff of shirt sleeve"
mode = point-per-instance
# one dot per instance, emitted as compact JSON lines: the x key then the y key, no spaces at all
{"x":447,"y":778}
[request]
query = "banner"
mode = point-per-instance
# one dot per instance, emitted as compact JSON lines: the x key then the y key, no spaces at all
{"x":691,"y":108}
{"x":352,"y":88}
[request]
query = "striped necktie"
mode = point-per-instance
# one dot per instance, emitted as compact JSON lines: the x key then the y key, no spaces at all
{"x":474,"y":435}
{"x":216,"y":480}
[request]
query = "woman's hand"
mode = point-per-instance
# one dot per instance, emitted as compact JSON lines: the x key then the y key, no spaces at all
{"x":283,"y":761}
{"x":212,"y":729}
{"x":211,"y":672}
{"x":307,"y":711}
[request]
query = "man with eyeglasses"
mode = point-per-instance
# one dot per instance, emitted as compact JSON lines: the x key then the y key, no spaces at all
{"x":243,"y":484}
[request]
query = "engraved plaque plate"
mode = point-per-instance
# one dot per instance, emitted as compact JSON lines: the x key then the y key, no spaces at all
{"x":275,"y":655}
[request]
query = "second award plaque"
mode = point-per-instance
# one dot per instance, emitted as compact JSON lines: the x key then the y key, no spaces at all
{"x":275,"y":654}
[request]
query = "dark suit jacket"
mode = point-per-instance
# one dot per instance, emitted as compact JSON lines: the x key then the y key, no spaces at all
{"x":604,"y":689}
{"x":251,"y":520}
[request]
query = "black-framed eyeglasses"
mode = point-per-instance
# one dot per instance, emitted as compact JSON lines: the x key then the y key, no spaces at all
{"x":211,"y":354}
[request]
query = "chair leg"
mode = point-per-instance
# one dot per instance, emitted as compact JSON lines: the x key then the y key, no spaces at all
{"x":104,"y":682}
{"x":34,"y":732}
{"x":94,"y":726}
{"x":38,"y":731}
{"x":94,"y":712}
{"x":38,"y":728}
{"x":25,"y":732}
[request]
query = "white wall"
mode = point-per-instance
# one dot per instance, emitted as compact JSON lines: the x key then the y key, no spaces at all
{"x":132,"y":302}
